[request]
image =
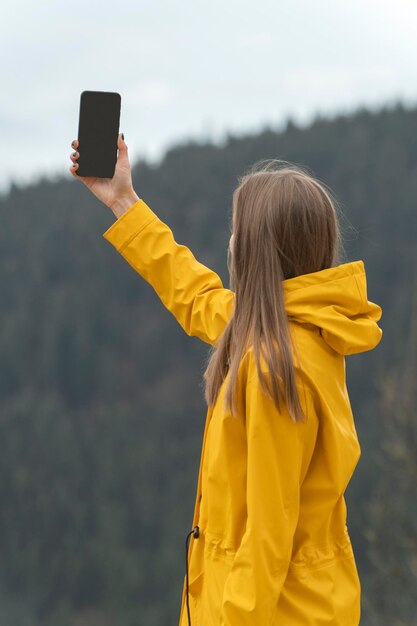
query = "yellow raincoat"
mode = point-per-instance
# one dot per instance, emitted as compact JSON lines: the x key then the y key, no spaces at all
{"x":273,"y":547}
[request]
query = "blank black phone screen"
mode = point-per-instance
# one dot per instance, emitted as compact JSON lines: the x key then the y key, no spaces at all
{"x":98,"y":130}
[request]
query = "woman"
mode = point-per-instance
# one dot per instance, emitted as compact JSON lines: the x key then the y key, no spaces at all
{"x":269,"y":543}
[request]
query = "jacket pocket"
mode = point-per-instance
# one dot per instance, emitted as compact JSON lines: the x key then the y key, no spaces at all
{"x":217,"y":566}
{"x":195,"y":584}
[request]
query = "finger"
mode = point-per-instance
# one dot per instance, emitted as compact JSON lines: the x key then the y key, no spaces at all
{"x":73,"y":169}
{"x":75,"y":143}
{"x":121,"y":144}
{"x":74,"y":156}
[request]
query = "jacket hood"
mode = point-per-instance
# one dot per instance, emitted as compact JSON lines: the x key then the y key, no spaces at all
{"x":335,"y":300}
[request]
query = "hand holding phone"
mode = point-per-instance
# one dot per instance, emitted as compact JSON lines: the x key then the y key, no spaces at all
{"x":96,"y":162}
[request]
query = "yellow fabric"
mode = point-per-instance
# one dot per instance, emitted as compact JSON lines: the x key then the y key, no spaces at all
{"x":274,"y":547}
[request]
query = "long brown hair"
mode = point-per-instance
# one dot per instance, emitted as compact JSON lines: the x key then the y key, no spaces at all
{"x":284,"y":224}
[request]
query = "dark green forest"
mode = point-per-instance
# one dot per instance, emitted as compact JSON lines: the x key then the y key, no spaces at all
{"x":101,"y":400}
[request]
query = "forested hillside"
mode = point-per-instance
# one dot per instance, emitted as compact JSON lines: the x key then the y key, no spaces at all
{"x":101,"y":401}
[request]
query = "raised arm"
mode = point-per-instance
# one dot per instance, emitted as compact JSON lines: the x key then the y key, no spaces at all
{"x":192,"y":292}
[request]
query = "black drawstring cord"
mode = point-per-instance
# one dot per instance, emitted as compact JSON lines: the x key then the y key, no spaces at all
{"x":196,"y":533}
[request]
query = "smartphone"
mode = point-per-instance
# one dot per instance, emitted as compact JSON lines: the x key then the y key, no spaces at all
{"x":98,"y":130}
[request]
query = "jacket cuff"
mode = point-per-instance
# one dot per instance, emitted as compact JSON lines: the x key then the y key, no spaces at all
{"x":129,"y":224}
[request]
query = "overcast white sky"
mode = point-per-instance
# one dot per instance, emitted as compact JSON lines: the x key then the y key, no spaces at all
{"x":192,"y":69}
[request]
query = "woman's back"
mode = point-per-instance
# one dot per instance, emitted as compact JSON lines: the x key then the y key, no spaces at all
{"x":332,"y":318}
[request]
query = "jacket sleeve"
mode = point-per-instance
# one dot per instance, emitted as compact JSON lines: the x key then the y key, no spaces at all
{"x":192,"y":292}
{"x":275,"y":462}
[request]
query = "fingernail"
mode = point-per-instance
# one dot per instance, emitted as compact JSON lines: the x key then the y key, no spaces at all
{"x":74,"y":154}
{"x":123,"y":137}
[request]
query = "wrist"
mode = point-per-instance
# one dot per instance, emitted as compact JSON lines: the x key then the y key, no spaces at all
{"x":122,"y":204}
